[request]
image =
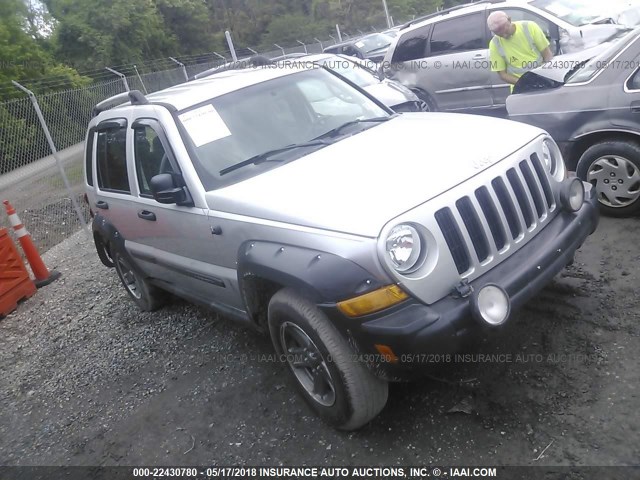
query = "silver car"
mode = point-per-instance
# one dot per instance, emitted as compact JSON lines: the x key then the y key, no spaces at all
{"x":370,"y":47}
{"x":444,"y":57}
{"x":365,"y":244}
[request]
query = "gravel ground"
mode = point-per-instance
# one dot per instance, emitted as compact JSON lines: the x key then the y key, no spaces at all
{"x":87,"y":379}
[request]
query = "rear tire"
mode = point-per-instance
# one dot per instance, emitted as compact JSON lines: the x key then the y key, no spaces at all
{"x":340,"y":389}
{"x":613,"y":168}
{"x":145,"y":295}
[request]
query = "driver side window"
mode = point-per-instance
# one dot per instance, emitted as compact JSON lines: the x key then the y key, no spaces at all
{"x":150,"y":157}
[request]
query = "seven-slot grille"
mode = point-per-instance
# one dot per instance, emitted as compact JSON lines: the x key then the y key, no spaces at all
{"x":497,"y":214}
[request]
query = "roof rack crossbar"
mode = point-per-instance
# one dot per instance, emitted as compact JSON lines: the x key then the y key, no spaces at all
{"x":136,"y":97}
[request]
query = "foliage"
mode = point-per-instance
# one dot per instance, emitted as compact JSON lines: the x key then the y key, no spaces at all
{"x":23,"y":53}
{"x":45,"y":44}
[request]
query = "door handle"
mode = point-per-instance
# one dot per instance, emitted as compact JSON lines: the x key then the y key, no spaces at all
{"x":147,"y":215}
{"x":479,"y":56}
{"x":635,"y":106}
{"x":102,"y":205}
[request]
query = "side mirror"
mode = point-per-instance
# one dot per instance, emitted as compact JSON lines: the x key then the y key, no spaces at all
{"x":166,"y":190}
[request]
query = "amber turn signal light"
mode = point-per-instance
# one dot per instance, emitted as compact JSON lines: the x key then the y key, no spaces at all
{"x":373,"y":301}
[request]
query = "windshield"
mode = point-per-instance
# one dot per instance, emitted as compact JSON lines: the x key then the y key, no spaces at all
{"x":286,"y":111}
{"x":352,"y":71}
{"x":601,"y":61}
{"x":374,"y":42}
{"x":582,"y":12}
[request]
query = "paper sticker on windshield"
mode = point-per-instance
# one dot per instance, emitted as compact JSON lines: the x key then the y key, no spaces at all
{"x":359,"y":44}
{"x":204,"y":125}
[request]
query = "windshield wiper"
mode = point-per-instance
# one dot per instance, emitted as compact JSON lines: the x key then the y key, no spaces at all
{"x":335,"y":131}
{"x":264,"y":157}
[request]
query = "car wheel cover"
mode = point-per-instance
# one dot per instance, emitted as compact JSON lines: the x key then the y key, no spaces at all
{"x":307,"y":364}
{"x":129,"y":278}
{"x":616,"y":179}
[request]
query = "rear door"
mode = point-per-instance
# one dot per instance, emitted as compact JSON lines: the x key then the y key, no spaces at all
{"x":624,"y":103}
{"x":458,"y":67}
{"x":114,"y":199}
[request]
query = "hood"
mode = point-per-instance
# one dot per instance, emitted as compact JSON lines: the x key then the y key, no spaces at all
{"x":389,"y":94}
{"x":553,"y":76}
{"x":622,"y":12}
{"x":360,"y":183}
{"x":588,"y":36}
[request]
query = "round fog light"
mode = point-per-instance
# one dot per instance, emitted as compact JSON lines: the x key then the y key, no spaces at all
{"x":572,"y":194}
{"x":491,"y":305}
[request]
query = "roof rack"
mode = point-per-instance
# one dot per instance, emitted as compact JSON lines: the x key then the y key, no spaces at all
{"x":446,"y":11}
{"x":136,"y":97}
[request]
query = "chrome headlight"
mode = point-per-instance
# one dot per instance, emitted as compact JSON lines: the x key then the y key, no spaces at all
{"x":405,"y":248}
{"x":552,"y":159}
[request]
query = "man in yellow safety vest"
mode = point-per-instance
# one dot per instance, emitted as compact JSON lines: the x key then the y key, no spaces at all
{"x":516,"y":47}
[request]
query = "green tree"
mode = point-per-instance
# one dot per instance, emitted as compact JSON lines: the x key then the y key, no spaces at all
{"x":189,"y":22}
{"x":110,"y":32}
{"x":287,"y":29}
{"x":23,"y":54}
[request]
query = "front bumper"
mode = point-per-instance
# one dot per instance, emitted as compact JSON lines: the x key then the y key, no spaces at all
{"x":418,"y":333}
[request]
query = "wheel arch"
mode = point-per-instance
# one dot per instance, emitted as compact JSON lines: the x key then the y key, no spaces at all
{"x":266,"y":267}
{"x":581,"y":143}
{"x":105,"y":237}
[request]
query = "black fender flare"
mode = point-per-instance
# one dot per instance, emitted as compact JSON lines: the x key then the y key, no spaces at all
{"x":320,"y":276}
{"x":105,"y":238}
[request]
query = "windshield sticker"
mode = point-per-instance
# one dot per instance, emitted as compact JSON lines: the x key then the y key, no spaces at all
{"x":360,"y":44}
{"x":204,"y":125}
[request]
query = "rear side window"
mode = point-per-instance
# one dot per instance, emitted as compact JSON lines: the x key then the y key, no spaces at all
{"x":634,"y":82}
{"x":112,"y":159}
{"x":88,"y":157}
{"x":412,"y":46}
{"x":458,"y":35}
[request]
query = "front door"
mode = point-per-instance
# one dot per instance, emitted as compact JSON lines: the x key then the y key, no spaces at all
{"x":173,"y":244}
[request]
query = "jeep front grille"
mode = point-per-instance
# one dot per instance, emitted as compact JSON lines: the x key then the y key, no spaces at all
{"x":497,"y":215}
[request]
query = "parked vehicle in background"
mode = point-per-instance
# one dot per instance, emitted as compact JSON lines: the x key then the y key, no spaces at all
{"x":393,"y":94}
{"x":444,"y":57}
{"x":392,"y":32}
{"x":590,"y":104}
{"x":370,"y":47}
{"x":359,"y":240}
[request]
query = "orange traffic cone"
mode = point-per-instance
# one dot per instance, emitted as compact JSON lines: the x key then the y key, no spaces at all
{"x":15,"y":284}
{"x":40,"y":271}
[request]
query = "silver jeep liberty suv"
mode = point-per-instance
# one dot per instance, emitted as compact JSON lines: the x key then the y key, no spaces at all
{"x":289,"y":199}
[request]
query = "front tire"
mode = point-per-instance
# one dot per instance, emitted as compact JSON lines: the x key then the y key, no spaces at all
{"x":429,"y":103}
{"x":613,"y":168}
{"x":145,"y":295}
{"x":340,"y":389}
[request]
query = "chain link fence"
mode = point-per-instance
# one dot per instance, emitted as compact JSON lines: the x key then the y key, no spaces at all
{"x":30,"y":177}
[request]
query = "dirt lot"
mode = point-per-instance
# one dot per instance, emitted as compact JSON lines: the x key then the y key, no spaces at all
{"x":88,"y":380}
